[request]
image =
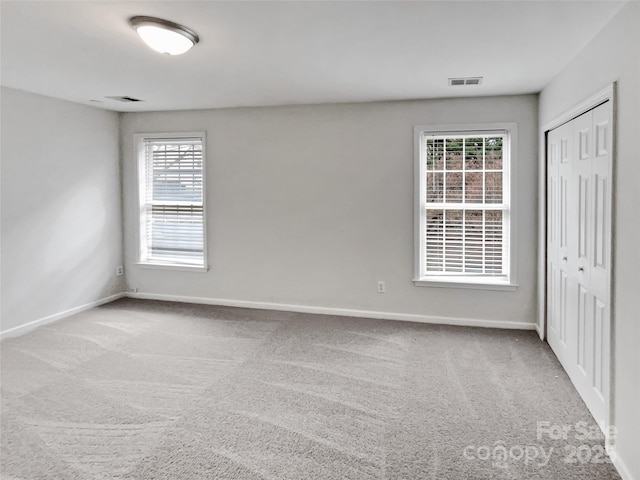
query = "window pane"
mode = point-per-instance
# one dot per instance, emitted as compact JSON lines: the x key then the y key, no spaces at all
{"x":474,"y":241}
{"x":493,"y":153}
{"x":454,"y":187}
{"x":493,"y":187}
{"x":435,"y":154}
{"x":176,"y":172}
{"x":434,"y":241}
{"x":493,"y":241}
{"x":176,"y":232}
{"x":454,"y":153}
{"x":473,"y":187}
{"x":464,"y":241}
{"x":435,"y":187}
{"x":473,"y":151}
{"x":454,"y":247}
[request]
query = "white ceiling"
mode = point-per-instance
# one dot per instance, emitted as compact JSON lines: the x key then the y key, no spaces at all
{"x":275,"y":53}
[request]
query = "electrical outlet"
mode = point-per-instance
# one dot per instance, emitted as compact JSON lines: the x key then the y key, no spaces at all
{"x":381,"y":287}
{"x":120,"y":271}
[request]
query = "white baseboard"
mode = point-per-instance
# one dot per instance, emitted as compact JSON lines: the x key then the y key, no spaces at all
{"x":343,"y":312}
{"x":22,"y":329}
{"x":622,"y":468}
{"x":539,"y":331}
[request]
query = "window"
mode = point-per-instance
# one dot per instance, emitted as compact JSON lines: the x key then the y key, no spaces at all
{"x":171,"y":178}
{"x":464,"y":206}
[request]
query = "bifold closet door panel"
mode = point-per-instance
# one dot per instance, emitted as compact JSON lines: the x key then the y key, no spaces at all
{"x":583,"y":248}
{"x":593,"y":178}
{"x":560,"y":207}
{"x":601,"y":267}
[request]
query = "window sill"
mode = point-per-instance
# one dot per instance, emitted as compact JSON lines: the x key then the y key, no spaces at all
{"x":465,"y":282}
{"x":173,"y":266}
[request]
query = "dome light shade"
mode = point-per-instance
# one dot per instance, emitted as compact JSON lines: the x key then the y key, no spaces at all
{"x":164,"y":36}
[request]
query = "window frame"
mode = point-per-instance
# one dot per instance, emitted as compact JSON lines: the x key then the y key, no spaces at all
{"x":480,"y":281}
{"x":141,"y":159}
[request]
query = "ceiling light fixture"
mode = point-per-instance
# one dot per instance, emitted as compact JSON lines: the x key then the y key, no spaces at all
{"x":164,"y":36}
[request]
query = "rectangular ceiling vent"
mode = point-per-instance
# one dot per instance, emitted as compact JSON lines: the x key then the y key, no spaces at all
{"x":465,"y":81}
{"x":125,"y":99}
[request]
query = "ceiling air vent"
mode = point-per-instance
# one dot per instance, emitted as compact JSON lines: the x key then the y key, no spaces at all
{"x":465,"y":81}
{"x":125,"y":99}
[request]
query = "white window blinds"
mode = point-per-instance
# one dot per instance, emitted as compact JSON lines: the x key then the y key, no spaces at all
{"x":464,"y":205}
{"x":172,"y":208}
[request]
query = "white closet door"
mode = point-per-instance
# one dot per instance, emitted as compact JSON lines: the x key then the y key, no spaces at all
{"x":594,"y":269}
{"x":560,"y":262}
{"x":579,"y":253}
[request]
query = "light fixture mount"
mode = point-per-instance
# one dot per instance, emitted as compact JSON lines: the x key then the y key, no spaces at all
{"x":164,"y":36}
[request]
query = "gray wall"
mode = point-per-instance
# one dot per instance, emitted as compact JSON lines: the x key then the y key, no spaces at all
{"x":613,"y":56}
{"x":312,"y":205}
{"x":61,"y":209}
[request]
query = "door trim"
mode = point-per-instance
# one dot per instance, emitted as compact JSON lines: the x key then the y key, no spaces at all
{"x":582,"y":107}
{"x":607,"y":94}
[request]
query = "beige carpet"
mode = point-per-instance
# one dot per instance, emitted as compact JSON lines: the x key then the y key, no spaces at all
{"x":151,"y":390}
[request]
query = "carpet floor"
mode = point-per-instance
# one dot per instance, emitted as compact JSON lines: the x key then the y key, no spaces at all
{"x":151,"y":390}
